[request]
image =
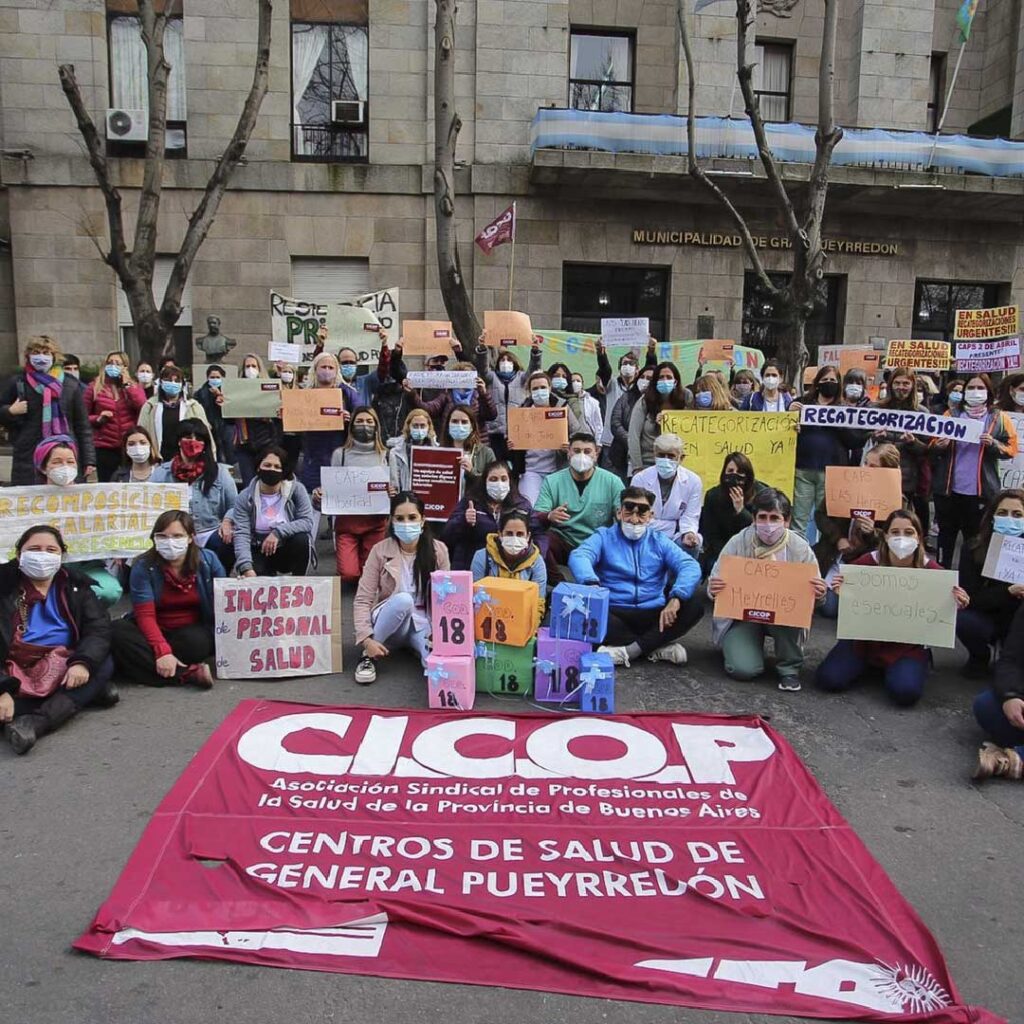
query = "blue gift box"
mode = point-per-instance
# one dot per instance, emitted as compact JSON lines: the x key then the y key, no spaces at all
{"x":557,"y":669}
{"x":597,"y":684}
{"x":579,"y":613}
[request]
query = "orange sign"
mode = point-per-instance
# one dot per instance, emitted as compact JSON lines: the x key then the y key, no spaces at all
{"x":507,"y":327}
{"x":426,"y":337}
{"x":871,"y":493}
{"x":809,"y":372}
{"x":312,"y":409}
{"x":716,"y":348}
{"x":770,"y":593}
{"x":537,"y":428}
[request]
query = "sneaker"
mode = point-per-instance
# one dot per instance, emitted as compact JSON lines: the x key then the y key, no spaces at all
{"x":791,"y":684}
{"x":198,"y":676}
{"x":1001,"y":761}
{"x":366,"y":672}
{"x":617,"y":654}
{"x":675,"y":653}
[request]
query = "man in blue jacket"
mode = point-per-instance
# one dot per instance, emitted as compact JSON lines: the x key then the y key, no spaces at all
{"x":637,"y":565}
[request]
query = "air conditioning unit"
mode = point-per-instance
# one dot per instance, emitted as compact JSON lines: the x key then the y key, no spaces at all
{"x":127,"y":125}
{"x":350,"y":112}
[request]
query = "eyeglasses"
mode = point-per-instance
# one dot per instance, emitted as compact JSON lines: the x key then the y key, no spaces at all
{"x":637,"y":507}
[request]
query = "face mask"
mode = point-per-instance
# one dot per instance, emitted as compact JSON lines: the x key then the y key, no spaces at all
{"x":975,"y":396}
{"x":577,"y":386}
{"x":459,"y":431}
{"x":463,"y":396}
{"x":287,"y":377}
{"x":364,"y":433}
{"x":145,"y":377}
{"x":734,"y":480}
{"x":703,"y":400}
{"x":582,"y":463}
{"x":666,"y":387}
{"x":770,"y":383}
{"x":541,"y":396}
{"x":1018,"y":397}
{"x":770,"y":533}
{"x":627,"y":371}
{"x":215,"y":382}
{"x":514,"y":545}
{"x":505,"y":367}
{"x":73,"y":372}
{"x":666,"y":468}
{"x":418,"y":433}
{"x":191,"y":447}
{"x":743,"y":388}
{"x":559,"y":383}
{"x":325,"y":375}
{"x":955,"y":397}
{"x":882,"y":394}
{"x":62,"y":475}
{"x":854,"y":391}
{"x":171,"y":388}
{"x":498,"y":490}
{"x":902,"y":547}
{"x":39,"y":565}
{"x":633,"y":531}
{"x":408,"y":533}
{"x":1008,"y":526}
{"x":138,"y":452}
{"x":113,"y":371}
{"x":41,"y":362}
{"x":251,"y":372}
{"x":348,"y":370}
{"x":271,"y":477}
{"x":171,"y":548}
{"x":643,"y":384}
{"x":828,"y":388}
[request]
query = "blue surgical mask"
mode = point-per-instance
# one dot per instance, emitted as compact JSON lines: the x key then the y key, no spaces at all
{"x":459,"y":431}
{"x":418,"y":433}
{"x":666,"y":387}
{"x":955,"y":397}
{"x":506,"y":375}
{"x":348,"y":370}
{"x":541,"y":396}
{"x":214,"y":382}
{"x":113,"y":371}
{"x":666,"y":468}
{"x":559,"y":383}
{"x":703,"y":400}
{"x":462,"y":396}
{"x":407,"y":533}
{"x":1008,"y":526}
{"x":171,"y":388}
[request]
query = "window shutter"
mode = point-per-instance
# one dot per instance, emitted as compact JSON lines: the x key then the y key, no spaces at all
{"x":329,"y":280}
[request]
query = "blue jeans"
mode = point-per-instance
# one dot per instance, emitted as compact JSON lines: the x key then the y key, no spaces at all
{"x":829,"y":608}
{"x":843,"y":666}
{"x":393,"y":626}
{"x":988,"y":711}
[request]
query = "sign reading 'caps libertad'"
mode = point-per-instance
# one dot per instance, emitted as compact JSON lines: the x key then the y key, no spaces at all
{"x":721,"y":240}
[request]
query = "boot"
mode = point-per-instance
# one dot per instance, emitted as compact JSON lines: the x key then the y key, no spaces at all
{"x":1002,"y":761}
{"x":25,"y":730}
{"x":108,"y":696}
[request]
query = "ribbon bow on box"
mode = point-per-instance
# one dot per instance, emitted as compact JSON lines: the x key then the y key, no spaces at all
{"x":437,"y":675}
{"x":482,"y":650}
{"x":545,"y":666}
{"x":592,"y":677}
{"x":481,"y":597}
{"x":445,"y":588}
{"x":575,"y":603}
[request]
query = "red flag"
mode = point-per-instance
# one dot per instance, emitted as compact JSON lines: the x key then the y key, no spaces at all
{"x":502,"y":229}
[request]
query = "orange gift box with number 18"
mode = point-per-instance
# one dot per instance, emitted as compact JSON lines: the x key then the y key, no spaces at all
{"x":505,"y":611}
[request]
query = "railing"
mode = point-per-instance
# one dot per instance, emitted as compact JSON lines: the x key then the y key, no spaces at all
{"x":327,"y":143}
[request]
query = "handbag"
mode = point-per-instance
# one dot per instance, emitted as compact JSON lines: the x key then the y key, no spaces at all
{"x":38,"y":668}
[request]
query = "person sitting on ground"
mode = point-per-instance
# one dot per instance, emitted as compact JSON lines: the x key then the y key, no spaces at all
{"x":1000,"y":711}
{"x":742,"y":643}
{"x":728,"y":507}
{"x":678,"y":493}
{"x":511,"y":554}
{"x":639,"y":565}
{"x":904,"y":667}
{"x":54,"y":641}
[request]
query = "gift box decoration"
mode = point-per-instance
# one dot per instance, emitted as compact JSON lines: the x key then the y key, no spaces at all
{"x":597,"y":684}
{"x":504,"y":671}
{"x":506,"y":611}
{"x":451,"y":613}
{"x":451,"y":682}
{"x":556,"y":678}
{"x":579,"y":612}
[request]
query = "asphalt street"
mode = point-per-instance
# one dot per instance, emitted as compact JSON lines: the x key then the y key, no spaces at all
{"x":73,"y":809}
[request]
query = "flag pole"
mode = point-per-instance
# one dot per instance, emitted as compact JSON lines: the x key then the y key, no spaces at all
{"x":512,"y":259}
{"x":945,"y":106}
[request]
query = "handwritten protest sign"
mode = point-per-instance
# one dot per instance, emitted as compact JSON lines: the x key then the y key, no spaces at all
{"x":282,"y":352}
{"x":983,"y":324}
{"x":258,"y":399}
{"x":761,"y":590}
{"x":442,"y":380}
{"x":919,"y":354}
{"x":626,"y":330}
{"x":312,"y":409}
{"x":386,"y":305}
{"x":853,"y":417}
{"x":862,"y":491}
{"x":507,"y":327}
{"x":910,"y":606}
{"x":1004,"y":559}
{"x":96,"y":520}
{"x":1011,"y":471}
{"x":767,"y":439}
{"x":277,"y":626}
{"x":987,"y":356}
{"x":426,"y":337}
{"x":537,"y":428}
{"x":295,"y":322}
{"x":436,"y":476}
{"x":353,"y":327}
{"x":354,"y":490}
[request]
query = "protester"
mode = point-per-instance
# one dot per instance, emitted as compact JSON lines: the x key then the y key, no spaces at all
{"x":904,"y":667}
{"x":537,"y":464}
{"x":168,"y":637}
{"x":478,"y":515}
{"x":210,"y":395}
{"x":167,"y":408}
{"x":855,"y":388}
{"x":1011,"y":393}
{"x":144,"y":375}
{"x":742,"y":387}
{"x":742,"y":643}
{"x":678,"y":493}
{"x":770,"y":398}
{"x":417,"y":430}
{"x":590,"y":407}
{"x":506,"y":384}
{"x":72,"y":367}
{"x":365,"y":385}
{"x":966,"y":475}
{"x":36,"y":406}
{"x":113,"y":403}
{"x":460,"y":431}
{"x":912,"y":448}
{"x":614,"y":449}
{"x":617,"y":456}
{"x":291,"y":442}
{"x":728,"y":507}
{"x":139,"y":458}
{"x":711,"y":395}
{"x":510,"y":554}
{"x":639,"y":565}
{"x":249,"y":436}
{"x":319,"y":445}
{"x":1000,"y":711}
{"x":438,"y":409}
{"x":392,"y":604}
{"x":667,"y":395}
{"x":54,"y":641}
{"x":952,"y":395}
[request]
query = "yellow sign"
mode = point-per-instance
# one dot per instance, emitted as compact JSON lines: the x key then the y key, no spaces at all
{"x":986,"y":324}
{"x":767,"y":439}
{"x":919,"y":355}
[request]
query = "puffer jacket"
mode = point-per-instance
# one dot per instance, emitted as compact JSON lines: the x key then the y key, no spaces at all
{"x":124,"y":402}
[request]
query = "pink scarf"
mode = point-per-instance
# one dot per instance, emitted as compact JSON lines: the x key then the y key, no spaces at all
{"x":49,"y":389}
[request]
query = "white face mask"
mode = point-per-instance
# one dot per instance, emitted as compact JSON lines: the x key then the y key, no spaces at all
{"x":251,"y":372}
{"x":138,"y":452}
{"x":287,"y":377}
{"x":497,"y":490}
{"x":975,"y":396}
{"x":854,"y":391}
{"x":627,"y":371}
{"x":902,"y":547}
{"x":643,"y":384}
{"x":505,"y":367}
{"x":171,"y":548}
{"x":770,"y":383}
{"x":577,"y":386}
{"x":39,"y":565}
{"x":145,"y":377}
{"x":1018,"y":397}
{"x":61,"y":476}
{"x":514,"y":545}
{"x":633,"y":531}
{"x":582,"y":463}
{"x":41,"y":361}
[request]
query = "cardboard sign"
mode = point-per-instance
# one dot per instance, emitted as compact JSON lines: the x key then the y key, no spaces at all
{"x":354,"y":491}
{"x":1011,"y":471}
{"x":312,"y":409}
{"x":352,"y":327}
{"x":852,"y":357}
{"x":810,"y":372}
{"x":277,"y":626}
{"x":770,"y":593}
{"x":1004,"y":559}
{"x":442,"y":380}
{"x":983,"y":324}
{"x":282,"y":352}
{"x":451,"y":613}
{"x":537,"y":428}
{"x":506,"y":611}
{"x":767,"y":439}
{"x":507,"y":327}
{"x":626,"y":330}
{"x":716,"y":348}
{"x":255,"y":399}
{"x":386,"y":306}
{"x":296,"y":322}
{"x":909,"y":606}
{"x":427,"y":337}
{"x":97,"y":521}
{"x":862,"y":491}
{"x":919,"y":355}
{"x":987,"y":356}
{"x":854,"y":417}
{"x":437,"y":478}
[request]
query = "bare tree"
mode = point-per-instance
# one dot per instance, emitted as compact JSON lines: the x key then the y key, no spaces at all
{"x":447,"y":125}
{"x":801,"y":213}
{"x":154,"y":324}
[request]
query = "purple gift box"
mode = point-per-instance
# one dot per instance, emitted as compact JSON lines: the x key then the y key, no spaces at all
{"x":557,"y":669}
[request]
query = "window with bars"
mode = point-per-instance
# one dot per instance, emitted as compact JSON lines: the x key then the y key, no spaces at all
{"x":764,"y":322}
{"x":601,"y":71}
{"x":936,"y":303}
{"x":773,"y":73}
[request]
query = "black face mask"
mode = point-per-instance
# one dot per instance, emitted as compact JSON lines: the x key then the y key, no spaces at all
{"x":271,"y":477}
{"x":829,"y":388}
{"x":364,"y":434}
{"x":734,"y":480}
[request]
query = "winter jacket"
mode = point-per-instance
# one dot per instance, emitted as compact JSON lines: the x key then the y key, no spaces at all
{"x":636,"y":572}
{"x":1008,"y":675}
{"x":588,"y":511}
{"x":147,"y":581}
{"x":991,"y":598}
{"x":719,"y":521}
{"x":464,"y":541}
{"x":207,"y":509}
{"x":913,"y":454}
{"x":1004,"y":433}
{"x":124,"y":402}
{"x":438,"y":408}
{"x":392,"y":405}
{"x":615,"y":388}
{"x":366,"y":385}
{"x":399,"y":464}
{"x":504,"y":394}
{"x":755,"y":402}
{"x":617,"y":425}
{"x":490,"y":561}
{"x":642,"y":431}
{"x":298,"y":510}
{"x":188,"y":409}
{"x":222,"y":430}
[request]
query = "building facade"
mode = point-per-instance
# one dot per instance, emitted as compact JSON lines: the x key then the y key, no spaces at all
{"x":571,"y":108}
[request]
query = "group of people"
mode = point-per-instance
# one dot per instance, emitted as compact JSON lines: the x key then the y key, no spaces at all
{"x":617,"y":508}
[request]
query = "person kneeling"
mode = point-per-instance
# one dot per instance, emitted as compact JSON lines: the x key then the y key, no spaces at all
{"x":1000,"y":710}
{"x":511,"y":554}
{"x":637,"y":563}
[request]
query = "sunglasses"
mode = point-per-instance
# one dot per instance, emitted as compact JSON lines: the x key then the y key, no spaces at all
{"x":636,"y":506}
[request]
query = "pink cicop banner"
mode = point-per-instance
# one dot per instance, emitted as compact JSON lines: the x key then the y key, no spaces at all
{"x":666,"y":858}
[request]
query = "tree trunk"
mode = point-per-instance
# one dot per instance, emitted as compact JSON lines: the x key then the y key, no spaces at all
{"x":447,"y":125}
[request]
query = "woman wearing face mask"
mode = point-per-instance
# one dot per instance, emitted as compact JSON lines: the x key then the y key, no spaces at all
{"x":460,"y":431}
{"x":666,"y":394}
{"x":477,"y":515}
{"x":678,"y":493}
{"x":728,"y":507}
{"x":318,"y":446}
{"x":168,"y":637}
{"x":742,"y":643}
{"x":417,"y":430}
{"x":392,"y":604}
{"x":614,"y":456}
{"x":476,"y":398}
{"x":710,"y":394}
{"x":590,"y":407}
{"x":952,"y":395}
{"x":510,"y":554}
{"x":1011,"y":393}
{"x":536,"y":464}
{"x":903,"y":667}
{"x":770,"y":398}
{"x":54,"y":641}
{"x":139,"y":458}
{"x":144,"y":375}
{"x":36,"y":406}
{"x":506,"y":384}
{"x":273,"y":521}
{"x":113,"y":403}
{"x":743,"y":386}
{"x":167,"y":408}
{"x":966,"y":475}
{"x":618,"y":454}
{"x":250,"y":436}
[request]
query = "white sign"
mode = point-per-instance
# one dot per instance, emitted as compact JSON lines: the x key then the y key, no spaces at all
{"x":852,"y":417}
{"x":442,"y":380}
{"x":385,"y":304}
{"x":294,"y":322}
{"x":625,"y":330}
{"x":987,"y":356}
{"x":1011,"y":471}
{"x":1004,"y":559}
{"x":354,"y":491}
{"x":282,"y":352}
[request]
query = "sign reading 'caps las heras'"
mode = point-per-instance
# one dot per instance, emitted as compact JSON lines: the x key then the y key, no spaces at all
{"x":723,"y":240}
